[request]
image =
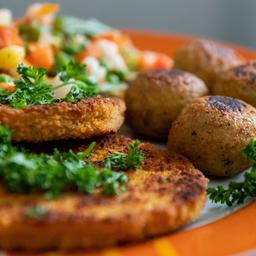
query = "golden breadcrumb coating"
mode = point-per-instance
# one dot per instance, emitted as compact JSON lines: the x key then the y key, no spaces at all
{"x":164,"y":194}
{"x":212,"y":132}
{"x":84,"y":119}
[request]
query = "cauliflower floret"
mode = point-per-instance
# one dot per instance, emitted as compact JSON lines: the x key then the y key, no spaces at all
{"x":110,"y":52}
{"x":94,"y":68}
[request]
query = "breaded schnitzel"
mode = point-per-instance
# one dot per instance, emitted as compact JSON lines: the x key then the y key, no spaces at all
{"x":83,"y":119}
{"x":164,"y":194}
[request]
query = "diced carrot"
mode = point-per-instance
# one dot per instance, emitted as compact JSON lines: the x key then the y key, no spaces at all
{"x":92,"y":51}
{"x":41,"y":56}
{"x":7,"y":87}
{"x":42,"y":12}
{"x":85,"y":53}
{"x":9,"y":36}
{"x":39,"y":10}
{"x":48,"y":8}
{"x":112,"y":36}
{"x":11,"y":89}
{"x":153,"y":60}
{"x":115,"y":36}
{"x":163,"y":61}
{"x":95,"y":50}
{"x":27,"y":62}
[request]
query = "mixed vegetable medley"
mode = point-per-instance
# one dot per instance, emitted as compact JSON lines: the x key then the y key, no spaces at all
{"x":42,"y":39}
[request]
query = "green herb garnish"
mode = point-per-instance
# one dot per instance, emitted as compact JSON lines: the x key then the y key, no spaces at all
{"x":238,"y":192}
{"x":33,"y":87}
{"x":25,"y":172}
{"x":73,"y":70}
{"x":82,"y":86}
{"x":122,"y":161}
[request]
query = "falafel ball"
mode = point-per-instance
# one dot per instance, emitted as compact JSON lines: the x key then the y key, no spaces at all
{"x":238,"y":82}
{"x":155,"y":98}
{"x":206,"y":59}
{"x":212,"y":132}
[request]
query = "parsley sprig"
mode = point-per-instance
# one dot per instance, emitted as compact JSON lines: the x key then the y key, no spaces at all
{"x":82,"y":86}
{"x":33,"y":87}
{"x":122,"y":161}
{"x":238,"y":192}
{"x":25,"y":172}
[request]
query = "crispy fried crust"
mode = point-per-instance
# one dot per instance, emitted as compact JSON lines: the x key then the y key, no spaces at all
{"x":212,"y":132}
{"x":84,"y":119}
{"x":238,"y":82}
{"x":166,"y":193}
{"x":155,"y":98}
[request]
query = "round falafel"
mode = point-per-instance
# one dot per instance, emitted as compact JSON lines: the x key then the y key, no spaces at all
{"x":206,"y":59}
{"x":212,"y":132}
{"x":238,"y":82}
{"x":155,"y":98}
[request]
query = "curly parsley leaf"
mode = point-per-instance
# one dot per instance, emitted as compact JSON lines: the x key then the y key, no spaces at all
{"x":113,"y":182}
{"x":73,"y":70}
{"x":238,"y":192}
{"x":80,"y":91}
{"x":33,"y":87}
{"x":250,"y":151}
{"x":31,"y":75}
{"x":122,"y":161}
{"x":26,"y":172}
{"x":82,"y":87}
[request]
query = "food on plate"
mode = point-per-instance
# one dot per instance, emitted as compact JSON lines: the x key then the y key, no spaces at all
{"x":38,"y":110}
{"x":87,"y":118}
{"x":164,"y":193}
{"x":238,"y":192}
{"x":212,"y":131}
{"x":44,"y":39}
{"x":58,"y":171}
{"x":56,"y":74}
{"x":238,"y":82}
{"x":155,"y":98}
{"x":206,"y":59}
{"x":11,"y":56}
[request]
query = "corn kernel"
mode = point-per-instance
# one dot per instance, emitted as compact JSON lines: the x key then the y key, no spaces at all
{"x":11,"y":56}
